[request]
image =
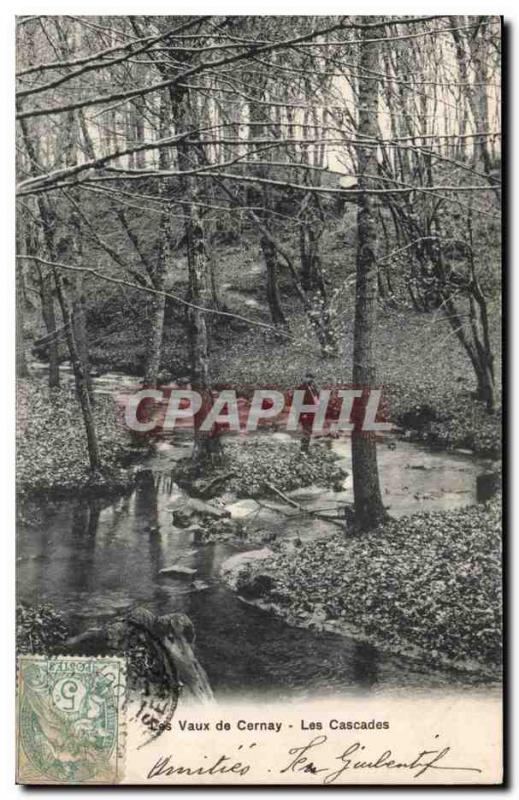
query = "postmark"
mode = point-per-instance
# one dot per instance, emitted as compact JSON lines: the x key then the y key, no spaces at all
{"x":70,"y":719}
{"x":155,"y":652}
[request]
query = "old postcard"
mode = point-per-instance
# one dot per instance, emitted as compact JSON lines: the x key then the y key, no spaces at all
{"x":258,"y":294}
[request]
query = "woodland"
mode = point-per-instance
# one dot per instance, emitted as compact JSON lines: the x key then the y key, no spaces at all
{"x":243,"y":201}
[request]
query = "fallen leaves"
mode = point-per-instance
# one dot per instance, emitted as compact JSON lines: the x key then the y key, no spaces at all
{"x":51,"y":440}
{"x":431,"y":581}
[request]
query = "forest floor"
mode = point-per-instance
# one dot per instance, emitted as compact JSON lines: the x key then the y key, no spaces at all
{"x":427,"y":378}
{"x":51,"y":447}
{"x":426,"y":586}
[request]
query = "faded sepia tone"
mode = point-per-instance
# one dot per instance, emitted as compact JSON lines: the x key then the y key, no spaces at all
{"x":258,"y":293}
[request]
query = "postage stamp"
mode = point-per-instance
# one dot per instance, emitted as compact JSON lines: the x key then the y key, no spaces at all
{"x":70,"y":719}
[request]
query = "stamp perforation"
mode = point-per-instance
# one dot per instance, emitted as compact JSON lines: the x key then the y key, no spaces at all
{"x":69,"y":717}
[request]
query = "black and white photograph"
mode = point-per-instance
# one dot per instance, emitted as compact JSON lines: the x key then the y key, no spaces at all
{"x":259,"y":398}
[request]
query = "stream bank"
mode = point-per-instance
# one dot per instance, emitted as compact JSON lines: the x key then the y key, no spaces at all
{"x":97,"y":558}
{"x":427,"y":587}
{"x":51,"y":446}
{"x":94,"y":559}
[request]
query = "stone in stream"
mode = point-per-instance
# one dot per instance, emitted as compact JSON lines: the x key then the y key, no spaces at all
{"x":205,"y":488}
{"x":232,"y":568}
{"x":487,"y":485}
{"x":185,"y":509}
{"x":143,"y":475}
{"x":206,"y":509}
{"x":243,"y":508}
{"x":177,"y":571}
{"x":182,"y":518}
{"x":200,"y":586}
{"x":177,"y":497}
{"x":305,"y":492}
{"x":189,"y":553}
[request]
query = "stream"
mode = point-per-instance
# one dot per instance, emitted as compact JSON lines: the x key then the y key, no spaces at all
{"x":97,"y":558}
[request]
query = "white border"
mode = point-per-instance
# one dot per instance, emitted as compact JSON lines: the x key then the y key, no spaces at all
{"x":7,"y":301}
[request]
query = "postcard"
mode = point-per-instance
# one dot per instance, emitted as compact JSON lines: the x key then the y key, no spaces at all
{"x":258,"y":352}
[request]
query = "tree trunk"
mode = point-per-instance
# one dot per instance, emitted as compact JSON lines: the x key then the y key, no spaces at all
{"x":157,"y":306}
{"x":207,"y":449}
{"x":369,"y":509}
{"x":82,"y":390}
{"x":22,"y":370}
{"x":80,"y":336}
{"x":471,"y":49}
{"x":32,"y":243}
{"x":78,"y":307}
{"x":158,"y":270}
{"x":486,"y":387}
{"x":273,"y":298}
{"x":478,"y":351}
{"x":81,"y":383}
{"x":206,"y":443}
{"x":263,"y":199}
{"x":155,"y":335}
{"x":48,"y":220}
{"x":311,"y":279}
{"x":49,"y":318}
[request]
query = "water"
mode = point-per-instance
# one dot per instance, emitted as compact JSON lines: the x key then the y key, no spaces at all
{"x":95,"y":559}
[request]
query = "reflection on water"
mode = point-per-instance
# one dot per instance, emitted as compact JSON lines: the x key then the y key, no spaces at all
{"x":95,"y":559}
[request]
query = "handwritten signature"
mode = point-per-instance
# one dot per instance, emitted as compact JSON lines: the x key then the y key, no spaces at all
{"x":308,"y":759}
{"x":355,"y":757}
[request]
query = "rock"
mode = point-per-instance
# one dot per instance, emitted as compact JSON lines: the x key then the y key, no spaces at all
{"x":487,"y":485}
{"x":227,"y":498}
{"x":318,"y":615}
{"x":189,"y":553}
{"x":178,"y":571}
{"x":205,"y":509}
{"x":177,"y":497}
{"x":252,"y":588}
{"x":179,"y":452}
{"x":206,"y":488}
{"x":198,"y":533}
{"x":195,"y":528}
{"x":231,"y":568}
{"x":285,"y":438}
{"x":164,"y":377}
{"x":182,"y":518}
{"x":163,"y":447}
{"x":243,"y":508}
{"x":306,"y":492}
{"x":200,"y":586}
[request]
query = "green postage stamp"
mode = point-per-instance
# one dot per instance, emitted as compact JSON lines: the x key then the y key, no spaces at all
{"x":70,"y":719}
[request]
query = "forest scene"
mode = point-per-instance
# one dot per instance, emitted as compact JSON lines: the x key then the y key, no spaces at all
{"x":289,"y":203}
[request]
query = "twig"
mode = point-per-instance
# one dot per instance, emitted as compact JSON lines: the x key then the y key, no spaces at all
{"x":302,"y":509}
{"x":150,"y":290}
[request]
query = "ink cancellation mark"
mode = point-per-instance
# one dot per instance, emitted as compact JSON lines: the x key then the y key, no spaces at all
{"x":70,"y":719}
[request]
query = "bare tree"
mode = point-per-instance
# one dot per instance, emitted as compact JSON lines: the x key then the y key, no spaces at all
{"x":369,"y":509}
